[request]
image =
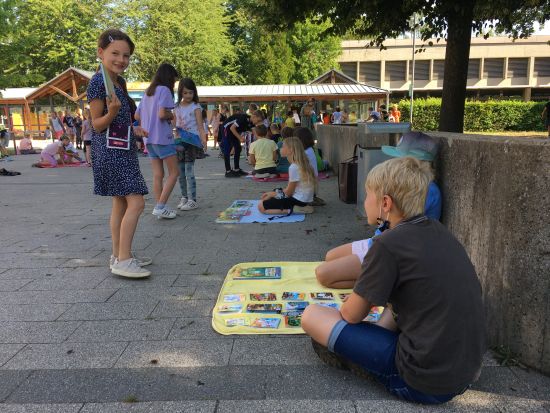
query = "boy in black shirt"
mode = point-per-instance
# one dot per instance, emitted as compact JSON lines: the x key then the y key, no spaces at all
{"x":429,"y":347}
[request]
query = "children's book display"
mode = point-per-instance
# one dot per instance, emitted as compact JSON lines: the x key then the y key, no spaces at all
{"x":235,"y":212}
{"x":270,"y":298}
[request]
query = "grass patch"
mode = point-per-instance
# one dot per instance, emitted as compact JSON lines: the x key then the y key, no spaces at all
{"x":130,"y":399}
{"x":506,"y":357}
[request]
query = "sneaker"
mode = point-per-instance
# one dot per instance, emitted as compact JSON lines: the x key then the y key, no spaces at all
{"x":164,"y":213}
{"x":183,"y":201}
{"x":231,"y":174}
{"x":142,"y":261}
{"x":261,"y":175}
{"x":308,"y":209}
{"x":240,"y":172}
{"x":189,"y":205}
{"x":129,"y":268}
{"x":317,"y":202}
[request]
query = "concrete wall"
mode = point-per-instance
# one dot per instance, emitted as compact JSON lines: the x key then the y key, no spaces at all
{"x":496,"y":201}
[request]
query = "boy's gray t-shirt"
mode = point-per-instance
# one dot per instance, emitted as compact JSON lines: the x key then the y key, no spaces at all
{"x":425,"y":274}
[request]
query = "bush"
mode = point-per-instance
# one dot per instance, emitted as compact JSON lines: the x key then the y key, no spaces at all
{"x":493,"y":115}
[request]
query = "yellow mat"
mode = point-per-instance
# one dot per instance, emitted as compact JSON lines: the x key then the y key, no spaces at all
{"x":236,"y":295}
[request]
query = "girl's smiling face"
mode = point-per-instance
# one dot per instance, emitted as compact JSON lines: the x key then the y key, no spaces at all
{"x":188,"y":95}
{"x":116,"y":56}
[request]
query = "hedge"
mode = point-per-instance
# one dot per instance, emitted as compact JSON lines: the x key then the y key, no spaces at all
{"x":492,"y":115}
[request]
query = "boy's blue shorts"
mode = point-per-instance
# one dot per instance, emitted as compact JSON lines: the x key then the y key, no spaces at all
{"x":373,"y":348}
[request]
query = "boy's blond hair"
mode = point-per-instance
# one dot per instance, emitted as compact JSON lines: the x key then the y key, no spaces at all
{"x":405,"y":180}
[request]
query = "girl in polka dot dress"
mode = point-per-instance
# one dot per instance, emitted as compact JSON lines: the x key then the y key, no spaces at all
{"x":116,"y":171}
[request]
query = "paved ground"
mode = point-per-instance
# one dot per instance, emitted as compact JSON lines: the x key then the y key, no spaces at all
{"x":74,"y":338}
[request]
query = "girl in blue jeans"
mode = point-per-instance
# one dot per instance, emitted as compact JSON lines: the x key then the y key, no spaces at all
{"x":191,"y":140}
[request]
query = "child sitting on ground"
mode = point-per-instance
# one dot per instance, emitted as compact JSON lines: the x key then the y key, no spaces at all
{"x":263,"y":154}
{"x":275,"y":132}
{"x":301,"y":183}
{"x":49,"y":153}
{"x":342,"y":264}
{"x":283,"y":164}
{"x":25,"y":145}
{"x":306,"y":137}
{"x":429,"y":347}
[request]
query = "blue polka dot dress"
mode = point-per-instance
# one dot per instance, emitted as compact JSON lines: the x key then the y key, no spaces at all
{"x":116,"y":171}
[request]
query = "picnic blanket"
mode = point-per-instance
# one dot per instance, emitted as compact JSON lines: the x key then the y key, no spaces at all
{"x":244,"y":211}
{"x":269,"y":297}
{"x":284,"y":177}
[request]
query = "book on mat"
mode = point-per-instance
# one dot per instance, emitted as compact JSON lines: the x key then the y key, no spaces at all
{"x":233,"y":298}
{"x":293,"y":296}
{"x":264,"y":308}
{"x":230,"y":308}
{"x":257,"y":273}
{"x":263,"y":297}
{"x":235,"y":322}
{"x":322,"y":296}
{"x":296,"y":305}
{"x":265,"y":323}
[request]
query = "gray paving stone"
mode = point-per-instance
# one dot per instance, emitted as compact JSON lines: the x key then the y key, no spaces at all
{"x":156,"y":293}
{"x":32,"y":273}
{"x":176,"y":353}
{"x":538,"y":384}
{"x":36,"y":332}
{"x":66,"y":282}
{"x":124,"y":310}
{"x":285,"y":406}
{"x":122,"y":330}
{"x":56,"y":297}
{"x":7,"y":351}
{"x":277,"y":351}
{"x":501,"y":381}
{"x":66,"y":356}
{"x":199,"y":328}
{"x":40,"y":408}
{"x":13,"y":285}
{"x":9,"y":380}
{"x":155,"y":281}
{"x":183,"y":308}
{"x":115,"y":385}
{"x":32,"y":312}
{"x":208,"y":291}
{"x":195,"y":280}
{"x":151,"y":407}
{"x":477,"y":405}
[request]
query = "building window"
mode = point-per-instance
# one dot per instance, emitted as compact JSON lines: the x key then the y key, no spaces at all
{"x":517,"y":67}
{"x":349,"y":69}
{"x":438,"y":70}
{"x":396,"y":71}
{"x":421,"y":70}
{"x":493,"y":68}
{"x":369,"y":72}
{"x":542,"y":67}
{"x":473,"y":68}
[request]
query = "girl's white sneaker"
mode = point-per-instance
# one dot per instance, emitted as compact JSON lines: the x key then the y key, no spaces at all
{"x":189,"y":205}
{"x":164,"y":213}
{"x":183,"y":201}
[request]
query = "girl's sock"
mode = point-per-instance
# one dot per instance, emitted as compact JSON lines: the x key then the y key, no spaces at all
{"x":160,"y":206}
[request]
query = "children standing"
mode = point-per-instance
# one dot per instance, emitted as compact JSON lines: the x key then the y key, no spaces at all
{"x":87,"y":136}
{"x":429,"y":347}
{"x":189,"y":120}
{"x":154,"y":114}
{"x":48,"y":133}
{"x":301,"y":182}
{"x":263,"y":154}
{"x":116,"y":171}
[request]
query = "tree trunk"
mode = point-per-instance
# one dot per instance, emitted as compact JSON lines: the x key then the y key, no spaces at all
{"x":457,"y":53}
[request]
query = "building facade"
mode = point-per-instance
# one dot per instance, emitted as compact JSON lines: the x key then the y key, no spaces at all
{"x":498,"y":67}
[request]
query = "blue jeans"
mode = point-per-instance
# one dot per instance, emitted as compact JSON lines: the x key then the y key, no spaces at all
{"x":188,"y":184}
{"x":373,"y":348}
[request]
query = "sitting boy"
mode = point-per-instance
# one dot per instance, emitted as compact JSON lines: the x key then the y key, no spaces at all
{"x":430,"y":346}
{"x":263,"y":154}
{"x":25,"y":145}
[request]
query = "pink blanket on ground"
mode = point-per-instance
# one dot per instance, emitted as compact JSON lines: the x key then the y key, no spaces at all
{"x":68,"y":165}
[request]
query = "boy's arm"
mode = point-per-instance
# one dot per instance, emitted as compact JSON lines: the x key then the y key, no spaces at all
{"x":355,"y":309}
{"x":275,"y":155}
{"x":252,"y":159}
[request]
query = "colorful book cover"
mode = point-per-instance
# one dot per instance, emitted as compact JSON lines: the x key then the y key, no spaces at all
{"x":294,"y":296}
{"x":266,"y":323}
{"x":263,"y":297}
{"x":296,"y":305}
{"x":331,"y":305}
{"x":107,"y":81}
{"x":344,"y":296}
{"x":233,"y":298}
{"x":235,"y":322}
{"x":374,"y":314}
{"x":257,"y":273}
{"x":230,"y":308}
{"x":322,"y":296}
{"x":264,"y":308}
{"x":293,"y":320}
{"x":188,"y":137}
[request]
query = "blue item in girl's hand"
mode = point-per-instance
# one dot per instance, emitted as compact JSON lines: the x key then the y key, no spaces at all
{"x":188,"y":137}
